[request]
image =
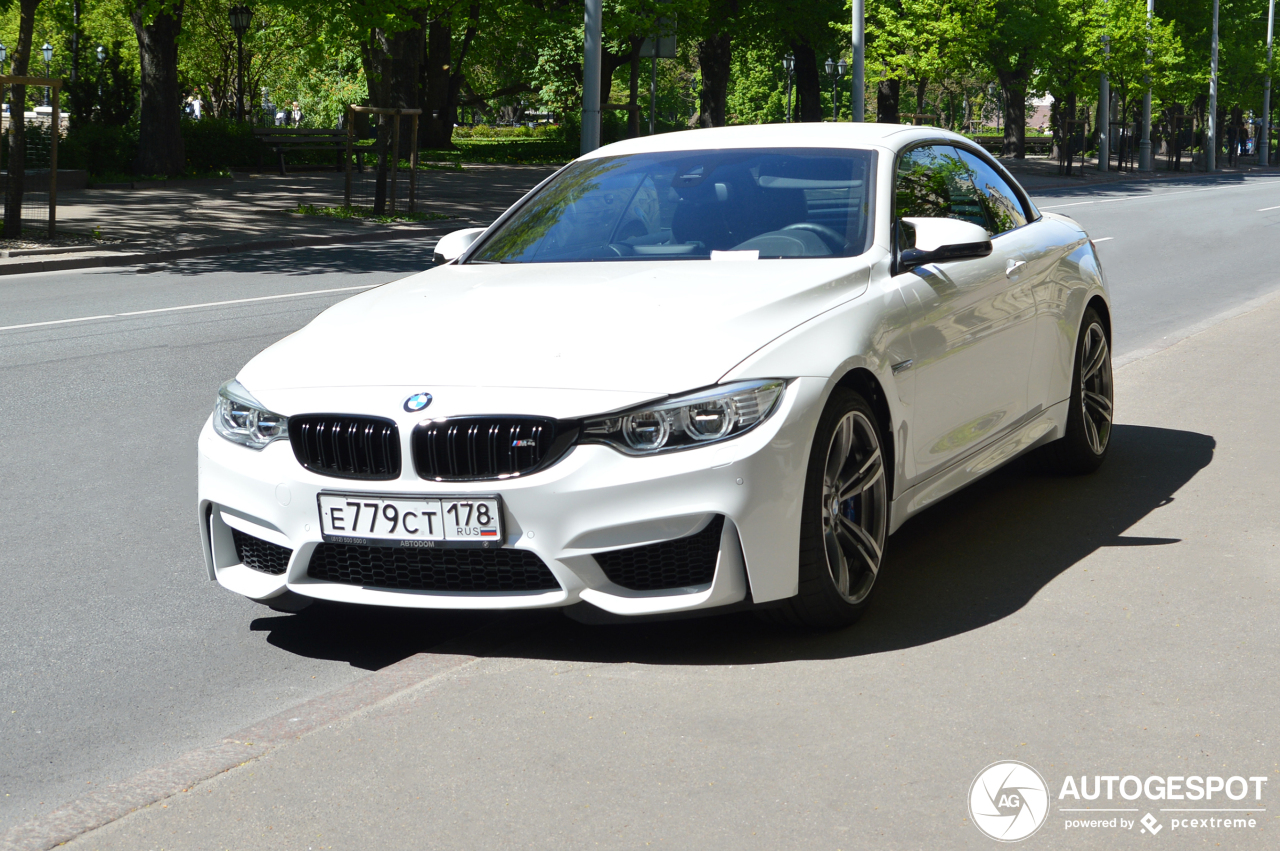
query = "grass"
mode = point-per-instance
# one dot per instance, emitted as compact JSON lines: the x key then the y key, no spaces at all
{"x":38,"y":237}
{"x":366,"y":214}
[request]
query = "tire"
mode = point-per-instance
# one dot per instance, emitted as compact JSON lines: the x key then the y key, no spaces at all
{"x":841,"y":540}
{"x":1090,"y":408}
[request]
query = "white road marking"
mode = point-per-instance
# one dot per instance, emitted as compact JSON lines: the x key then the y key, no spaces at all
{"x":185,"y":307}
{"x":1104,"y":238}
{"x":1060,"y":206}
{"x":1265,"y":209}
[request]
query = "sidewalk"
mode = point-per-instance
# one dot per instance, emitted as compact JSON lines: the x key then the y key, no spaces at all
{"x":1037,"y":174}
{"x":250,"y":212}
{"x":1121,"y":623}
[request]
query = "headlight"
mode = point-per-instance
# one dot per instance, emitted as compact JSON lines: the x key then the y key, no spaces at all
{"x":240,"y":418}
{"x":718,"y":413}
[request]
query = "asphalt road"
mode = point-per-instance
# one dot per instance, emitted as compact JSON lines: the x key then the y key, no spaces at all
{"x":120,"y":653}
{"x":1180,"y":251}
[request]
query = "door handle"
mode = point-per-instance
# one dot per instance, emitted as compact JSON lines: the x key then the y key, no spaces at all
{"x":1014,"y":267}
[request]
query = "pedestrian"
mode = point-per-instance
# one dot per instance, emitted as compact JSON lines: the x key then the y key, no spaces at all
{"x":196,"y":107}
{"x":297,"y":114}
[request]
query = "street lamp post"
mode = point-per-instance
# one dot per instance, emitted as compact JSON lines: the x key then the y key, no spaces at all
{"x":592,"y":47}
{"x":47,"y":50}
{"x":240,"y":18}
{"x":857,"y":109}
{"x":1144,"y":144}
{"x":835,"y":70}
{"x":788,"y":65}
{"x":1211,"y":152}
{"x":1264,"y":127}
{"x":102,"y":57}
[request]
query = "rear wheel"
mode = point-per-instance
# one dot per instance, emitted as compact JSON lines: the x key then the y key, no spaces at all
{"x":1091,"y":408}
{"x":844,"y":518}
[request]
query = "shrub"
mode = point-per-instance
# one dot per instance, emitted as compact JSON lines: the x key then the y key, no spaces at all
{"x":217,"y":143}
{"x":99,"y":148}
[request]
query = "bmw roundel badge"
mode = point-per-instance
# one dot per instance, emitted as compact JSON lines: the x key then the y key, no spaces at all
{"x":417,"y":402}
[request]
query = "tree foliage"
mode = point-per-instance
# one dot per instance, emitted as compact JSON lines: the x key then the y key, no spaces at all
{"x":967,"y":64}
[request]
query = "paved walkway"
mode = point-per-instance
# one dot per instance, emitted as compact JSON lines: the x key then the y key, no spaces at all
{"x":250,"y":212}
{"x":1037,"y":174}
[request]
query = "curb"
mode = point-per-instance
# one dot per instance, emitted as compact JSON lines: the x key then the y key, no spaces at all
{"x":135,"y":259}
{"x":179,"y":775}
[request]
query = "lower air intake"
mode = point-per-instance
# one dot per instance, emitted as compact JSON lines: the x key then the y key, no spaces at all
{"x":261,"y":555}
{"x":682,"y":563}
{"x":436,"y":569}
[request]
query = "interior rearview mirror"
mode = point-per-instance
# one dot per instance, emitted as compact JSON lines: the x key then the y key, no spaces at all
{"x":929,"y":240}
{"x":451,"y":245}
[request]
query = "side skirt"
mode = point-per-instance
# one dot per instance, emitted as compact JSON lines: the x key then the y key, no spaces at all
{"x":1050,"y":424}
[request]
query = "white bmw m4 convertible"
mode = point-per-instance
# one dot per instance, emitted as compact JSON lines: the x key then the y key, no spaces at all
{"x":690,"y":371}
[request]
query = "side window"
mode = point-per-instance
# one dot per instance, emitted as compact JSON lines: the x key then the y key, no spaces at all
{"x":1001,"y":201}
{"x":933,"y":182}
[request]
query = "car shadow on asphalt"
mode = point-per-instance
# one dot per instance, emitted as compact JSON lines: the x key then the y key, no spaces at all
{"x":967,"y":562}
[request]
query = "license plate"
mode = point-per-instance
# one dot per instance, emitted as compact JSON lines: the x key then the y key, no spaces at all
{"x":410,"y":521}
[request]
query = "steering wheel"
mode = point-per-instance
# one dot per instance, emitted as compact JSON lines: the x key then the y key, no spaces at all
{"x":831,"y":237}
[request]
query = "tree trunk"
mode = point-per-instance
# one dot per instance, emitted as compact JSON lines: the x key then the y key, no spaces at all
{"x":808,"y":83}
{"x":887,"y":101}
{"x":160,"y":148}
{"x":920,"y":89}
{"x":437,"y":130}
{"x":1013,"y":88}
{"x":442,"y":79}
{"x":18,"y":125}
{"x":715,"y":55}
{"x":394,"y":61}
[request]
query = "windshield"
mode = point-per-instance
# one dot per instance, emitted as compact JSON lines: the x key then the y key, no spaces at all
{"x":685,"y":205}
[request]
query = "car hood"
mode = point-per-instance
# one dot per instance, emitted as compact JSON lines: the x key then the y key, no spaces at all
{"x":645,"y":329}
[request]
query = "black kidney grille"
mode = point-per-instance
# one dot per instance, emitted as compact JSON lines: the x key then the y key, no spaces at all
{"x":486,"y":447}
{"x":439,"y":569}
{"x":682,"y":563}
{"x":261,"y":555}
{"x":346,"y":447}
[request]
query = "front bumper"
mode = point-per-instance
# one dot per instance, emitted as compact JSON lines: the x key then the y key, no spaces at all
{"x":594,"y":500}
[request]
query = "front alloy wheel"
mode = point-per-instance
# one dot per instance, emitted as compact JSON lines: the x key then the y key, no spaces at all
{"x":844,"y":519}
{"x":853,"y":516}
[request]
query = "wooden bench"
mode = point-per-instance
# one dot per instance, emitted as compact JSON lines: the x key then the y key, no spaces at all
{"x":282,"y":140}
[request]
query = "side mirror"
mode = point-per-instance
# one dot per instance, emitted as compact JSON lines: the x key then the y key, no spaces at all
{"x":451,"y":245}
{"x":929,"y":240}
